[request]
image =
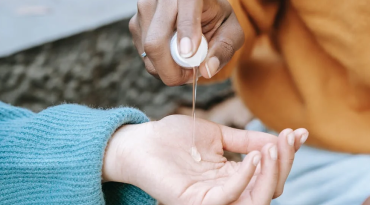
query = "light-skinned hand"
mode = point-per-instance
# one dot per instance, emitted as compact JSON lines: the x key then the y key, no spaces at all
{"x":155,"y":156}
{"x":156,"y":20}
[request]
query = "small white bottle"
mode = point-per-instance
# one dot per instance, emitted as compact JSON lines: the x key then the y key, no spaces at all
{"x":193,"y":61}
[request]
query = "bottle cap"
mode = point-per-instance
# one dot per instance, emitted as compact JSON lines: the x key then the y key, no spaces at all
{"x":193,"y":61}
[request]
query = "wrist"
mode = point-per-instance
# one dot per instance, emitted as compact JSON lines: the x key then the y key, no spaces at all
{"x":121,"y":153}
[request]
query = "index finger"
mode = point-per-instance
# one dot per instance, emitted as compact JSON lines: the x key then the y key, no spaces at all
{"x":244,"y":141}
{"x":157,"y":45}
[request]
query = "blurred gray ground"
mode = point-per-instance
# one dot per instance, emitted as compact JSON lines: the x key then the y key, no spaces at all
{"x":82,"y":52}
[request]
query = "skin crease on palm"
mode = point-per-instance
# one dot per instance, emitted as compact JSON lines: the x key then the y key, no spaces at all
{"x":155,"y":156}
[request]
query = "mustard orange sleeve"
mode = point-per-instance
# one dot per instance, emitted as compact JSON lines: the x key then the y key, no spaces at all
{"x":255,"y":17}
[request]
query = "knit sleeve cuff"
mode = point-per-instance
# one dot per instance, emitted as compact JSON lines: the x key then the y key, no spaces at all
{"x":56,"y":156}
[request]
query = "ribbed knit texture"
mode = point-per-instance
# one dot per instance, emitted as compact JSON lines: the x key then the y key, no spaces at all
{"x":56,"y":156}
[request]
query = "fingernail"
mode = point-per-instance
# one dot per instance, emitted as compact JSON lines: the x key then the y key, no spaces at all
{"x":304,"y":138}
{"x":185,"y":47}
{"x":273,"y":152}
{"x":256,"y":160}
{"x":209,"y":73}
{"x":212,"y":66}
{"x":291,"y":138}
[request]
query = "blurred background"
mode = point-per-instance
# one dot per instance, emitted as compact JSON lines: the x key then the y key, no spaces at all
{"x":67,"y":51}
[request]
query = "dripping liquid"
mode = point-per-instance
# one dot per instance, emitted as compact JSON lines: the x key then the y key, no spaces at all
{"x":194,"y":152}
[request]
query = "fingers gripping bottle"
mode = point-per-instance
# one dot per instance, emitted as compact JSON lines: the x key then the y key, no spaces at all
{"x":192,"y":62}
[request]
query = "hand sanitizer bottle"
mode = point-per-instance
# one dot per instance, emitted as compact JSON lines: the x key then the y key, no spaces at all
{"x":193,"y":61}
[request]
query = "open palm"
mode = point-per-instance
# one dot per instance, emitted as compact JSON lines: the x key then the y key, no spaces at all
{"x":172,"y":176}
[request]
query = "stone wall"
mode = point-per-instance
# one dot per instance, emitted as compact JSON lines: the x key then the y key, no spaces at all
{"x":99,"y":68}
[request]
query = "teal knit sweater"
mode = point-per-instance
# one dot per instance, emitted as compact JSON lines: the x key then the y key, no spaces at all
{"x":56,"y":156}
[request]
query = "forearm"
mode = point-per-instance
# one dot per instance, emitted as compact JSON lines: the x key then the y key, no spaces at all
{"x":57,"y":155}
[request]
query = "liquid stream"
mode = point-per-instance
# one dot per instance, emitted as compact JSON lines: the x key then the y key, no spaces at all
{"x":194,"y":152}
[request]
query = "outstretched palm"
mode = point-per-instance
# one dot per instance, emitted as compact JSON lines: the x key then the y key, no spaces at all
{"x":171,"y":175}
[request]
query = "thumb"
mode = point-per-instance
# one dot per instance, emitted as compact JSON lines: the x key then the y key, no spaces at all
{"x":189,"y":29}
{"x":226,"y":41}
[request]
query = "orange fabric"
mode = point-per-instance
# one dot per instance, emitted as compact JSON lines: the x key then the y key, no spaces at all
{"x":306,"y":63}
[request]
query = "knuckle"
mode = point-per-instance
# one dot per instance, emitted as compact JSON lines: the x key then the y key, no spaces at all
{"x":153,"y":47}
{"x":185,"y":27}
{"x":141,"y":5}
{"x":132,"y":25}
{"x":150,"y":69}
{"x":227,"y":47}
{"x":186,"y":23}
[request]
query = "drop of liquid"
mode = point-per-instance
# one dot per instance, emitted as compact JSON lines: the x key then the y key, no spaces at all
{"x":194,"y":152}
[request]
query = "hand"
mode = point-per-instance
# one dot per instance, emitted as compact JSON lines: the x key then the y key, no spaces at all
{"x":156,"y":20}
{"x":155,"y":156}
